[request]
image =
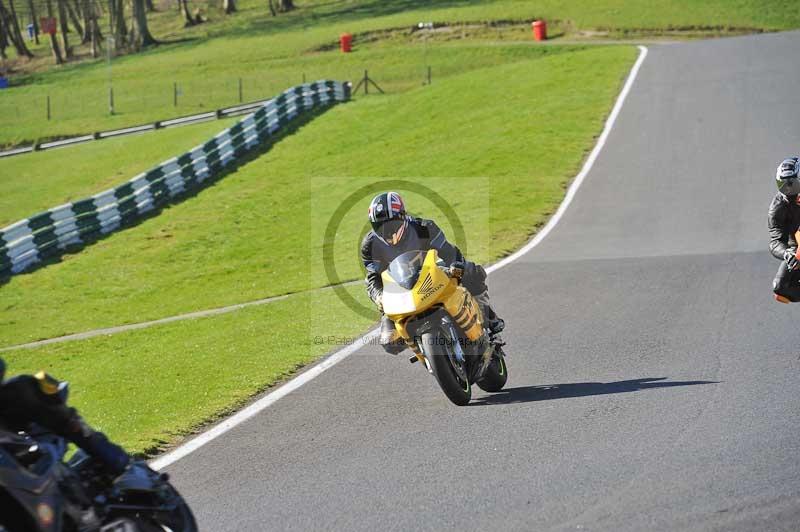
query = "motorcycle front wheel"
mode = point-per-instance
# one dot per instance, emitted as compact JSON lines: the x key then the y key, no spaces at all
{"x":450,"y":373}
{"x":496,"y":374}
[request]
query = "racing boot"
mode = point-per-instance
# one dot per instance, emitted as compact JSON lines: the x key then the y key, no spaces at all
{"x":390,"y":339}
{"x":494,"y":323}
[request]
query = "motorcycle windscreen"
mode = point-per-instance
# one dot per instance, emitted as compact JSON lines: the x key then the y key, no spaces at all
{"x":405,"y":269}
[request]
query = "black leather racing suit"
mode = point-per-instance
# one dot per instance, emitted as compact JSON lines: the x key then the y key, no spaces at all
{"x":27,"y":399}
{"x":783,"y":222}
{"x":421,"y":234}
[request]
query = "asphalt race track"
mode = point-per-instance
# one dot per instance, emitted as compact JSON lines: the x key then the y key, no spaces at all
{"x":654,"y":383}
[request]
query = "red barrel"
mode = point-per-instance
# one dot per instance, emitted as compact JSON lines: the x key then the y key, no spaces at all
{"x":346,"y":42}
{"x":539,"y":30}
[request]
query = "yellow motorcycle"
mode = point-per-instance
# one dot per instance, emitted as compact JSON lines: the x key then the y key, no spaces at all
{"x":443,"y":324}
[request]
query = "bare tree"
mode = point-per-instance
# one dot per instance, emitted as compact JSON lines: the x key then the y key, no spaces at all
{"x":188,"y":20}
{"x":34,"y":21}
{"x":91,"y":13}
{"x":3,"y":39}
{"x":62,"y":19}
{"x":140,"y":34}
{"x":74,"y":17}
{"x":117,"y":26}
{"x":95,"y":40}
{"x":53,"y":41}
{"x":13,"y":33}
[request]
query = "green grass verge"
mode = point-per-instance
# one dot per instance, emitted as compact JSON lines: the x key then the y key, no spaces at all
{"x":273,"y":53}
{"x":36,"y":182}
{"x":500,"y":143}
{"x":81,"y":163}
{"x":147,"y":388}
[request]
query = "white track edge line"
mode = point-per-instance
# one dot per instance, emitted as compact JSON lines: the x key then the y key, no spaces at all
{"x":307,"y":376}
{"x":587,"y":166}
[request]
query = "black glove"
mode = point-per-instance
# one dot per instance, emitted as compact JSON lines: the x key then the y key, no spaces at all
{"x":456,"y":270}
{"x":791,"y":259}
{"x":111,"y":456}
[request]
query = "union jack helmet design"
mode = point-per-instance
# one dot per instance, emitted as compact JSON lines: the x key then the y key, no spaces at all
{"x":387,"y":214}
{"x":385,"y":207}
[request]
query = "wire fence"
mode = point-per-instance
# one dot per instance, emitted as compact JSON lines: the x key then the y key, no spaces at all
{"x":59,"y":111}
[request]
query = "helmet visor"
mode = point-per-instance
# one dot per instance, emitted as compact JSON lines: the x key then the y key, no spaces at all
{"x":391,"y":231}
{"x":790,"y":186}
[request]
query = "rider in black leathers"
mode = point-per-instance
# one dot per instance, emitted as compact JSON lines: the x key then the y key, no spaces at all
{"x":27,"y":399}
{"x":394,"y":233}
{"x":783,"y":222}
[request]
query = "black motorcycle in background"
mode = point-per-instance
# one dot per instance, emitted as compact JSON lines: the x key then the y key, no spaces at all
{"x":41,"y":492}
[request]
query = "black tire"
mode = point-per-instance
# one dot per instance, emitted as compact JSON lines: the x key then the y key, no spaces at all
{"x":435,"y":347}
{"x":496,"y":374}
{"x":181,"y":520}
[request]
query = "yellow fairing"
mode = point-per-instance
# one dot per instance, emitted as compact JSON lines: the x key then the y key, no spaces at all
{"x":433,"y":287}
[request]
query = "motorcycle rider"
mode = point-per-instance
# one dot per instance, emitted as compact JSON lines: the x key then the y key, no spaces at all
{"x":393,"y":233}
{"x":784,"y":221}
{"x":27,"y":399}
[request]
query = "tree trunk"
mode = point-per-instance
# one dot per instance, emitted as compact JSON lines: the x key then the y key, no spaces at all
{"x":34,"y":21}
{"x":187,"y":17}
{"x":12,"y":28}
{"x":87,"y":11}
{"x":3,"y":38}
{"x":140,"y":34}
{"x":272,"y":9}
{"x":285,"y":5}
{"x":149,"y":5}
{"x":62,"y":20}
{"x":229,"y":6}
{"x":117,"y":26}
{"x":95,"y":35}
{"x":74,"y":18}
{"x":53,"y":41}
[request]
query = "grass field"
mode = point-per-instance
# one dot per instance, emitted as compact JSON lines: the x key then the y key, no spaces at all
{"x":36,"y":182}
{"x":274,"y":53}
{"x":250,"y":236}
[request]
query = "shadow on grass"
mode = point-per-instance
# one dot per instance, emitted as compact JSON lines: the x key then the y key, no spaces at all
{"x":342,"y":11}
{"x":251,"y":155}
{"x":549,"y":392}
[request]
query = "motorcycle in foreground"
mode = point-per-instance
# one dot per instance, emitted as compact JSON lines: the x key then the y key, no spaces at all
{"x":443,"y":324}
{"x":40,"y":492}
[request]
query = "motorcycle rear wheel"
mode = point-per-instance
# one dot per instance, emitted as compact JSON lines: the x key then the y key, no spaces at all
{"x":436,"y":348}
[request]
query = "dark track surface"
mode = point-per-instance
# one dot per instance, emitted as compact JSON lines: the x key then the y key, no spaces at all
{"x":654,"y":383}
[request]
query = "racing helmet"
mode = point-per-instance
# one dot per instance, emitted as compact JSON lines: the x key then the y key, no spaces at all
{"x":786,"y":177}
{"x":387,"y":214}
